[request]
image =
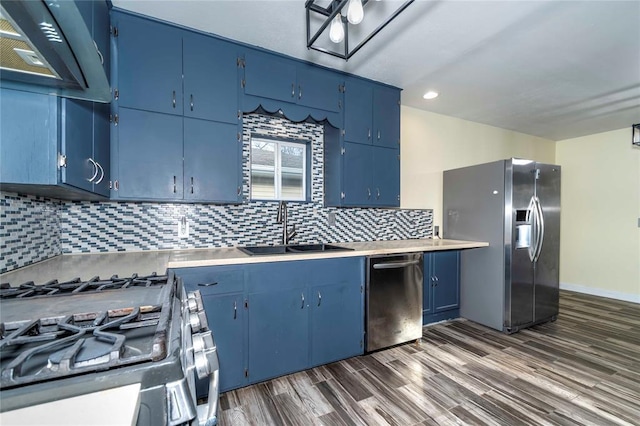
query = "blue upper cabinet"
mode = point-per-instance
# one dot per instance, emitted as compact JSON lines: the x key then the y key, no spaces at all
{"x":210,"y":79}
{"x":148,"y":156}
{"x":211,"y":158}
{"x":357,"y":166}
{"x":358,"y":98}
{"x":177,"y":103}
{"x":269,"y":76}
{"x":149,"y":65}
{"x":319,"y":88}
{"x":386,"y":176}
{"x":54,"y":147}
{"x":362,"y":166}
{"x":386,"y":117}
{"x":277,"y":78}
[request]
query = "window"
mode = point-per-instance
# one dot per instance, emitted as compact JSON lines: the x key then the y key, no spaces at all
{"x":278,"y":170}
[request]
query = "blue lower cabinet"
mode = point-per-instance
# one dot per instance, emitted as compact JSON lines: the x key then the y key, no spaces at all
{"x":276,"y":318}
{"x":278,"y":333}
{"x":441,"y":295}
{"x":337,"y":322}
{"x":226,"y":317}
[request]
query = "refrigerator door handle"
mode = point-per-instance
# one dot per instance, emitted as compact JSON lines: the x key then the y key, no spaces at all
{"x":539,"y":228}
{"x":531,"y":218}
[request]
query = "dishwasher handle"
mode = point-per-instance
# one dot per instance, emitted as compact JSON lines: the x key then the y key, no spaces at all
{"x":395,"y":265}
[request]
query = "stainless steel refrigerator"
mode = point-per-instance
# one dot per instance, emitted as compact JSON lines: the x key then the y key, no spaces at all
{"x":515,"y":206}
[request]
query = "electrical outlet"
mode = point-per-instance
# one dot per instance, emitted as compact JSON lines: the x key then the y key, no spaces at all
{"x":436,"y":231}
{"x":183,"y":227}
{"x":331,"y":219}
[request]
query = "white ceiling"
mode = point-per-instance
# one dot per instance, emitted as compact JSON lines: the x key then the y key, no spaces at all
{"x":555,"y":69}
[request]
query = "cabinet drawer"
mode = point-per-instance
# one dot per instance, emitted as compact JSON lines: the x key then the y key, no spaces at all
{"x":212,"y":279}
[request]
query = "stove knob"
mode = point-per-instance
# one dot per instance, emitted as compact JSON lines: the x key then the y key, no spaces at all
{"x":206,"y":357}
{"x":198,"y":321}
{"x":194,"y":301}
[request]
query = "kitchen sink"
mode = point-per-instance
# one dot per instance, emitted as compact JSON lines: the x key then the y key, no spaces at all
{"x":291,"y":249}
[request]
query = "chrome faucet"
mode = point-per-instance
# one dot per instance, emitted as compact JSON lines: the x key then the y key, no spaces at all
{"x":282,"y":218}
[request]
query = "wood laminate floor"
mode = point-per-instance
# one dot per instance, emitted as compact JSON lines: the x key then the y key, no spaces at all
{"x":582,"y":369}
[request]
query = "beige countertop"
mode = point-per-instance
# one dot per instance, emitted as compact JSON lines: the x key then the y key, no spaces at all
{"x":105,"y":265}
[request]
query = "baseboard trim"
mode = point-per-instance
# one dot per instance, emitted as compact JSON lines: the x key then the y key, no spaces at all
{"x":627,"y":297}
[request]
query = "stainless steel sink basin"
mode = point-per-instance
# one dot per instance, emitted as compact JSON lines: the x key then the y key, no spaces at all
{"x":291,"y":249}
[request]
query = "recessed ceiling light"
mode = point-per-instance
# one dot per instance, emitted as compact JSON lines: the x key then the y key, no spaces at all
{"x":430,"y":95}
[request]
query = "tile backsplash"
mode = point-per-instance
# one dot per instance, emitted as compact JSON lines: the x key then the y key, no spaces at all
{"x":33,"y":228}
{"x":29,"y":230}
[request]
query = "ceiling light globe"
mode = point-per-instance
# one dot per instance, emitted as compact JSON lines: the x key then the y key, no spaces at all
{"x":355,"y":12}
{"x":430,"y":95}
{"x":336,"y":30}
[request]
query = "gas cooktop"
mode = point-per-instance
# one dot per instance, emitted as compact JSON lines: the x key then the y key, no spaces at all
{"x":57,"y":329}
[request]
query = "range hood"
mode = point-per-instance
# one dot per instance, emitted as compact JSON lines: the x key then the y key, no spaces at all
{"x":46,"y":46}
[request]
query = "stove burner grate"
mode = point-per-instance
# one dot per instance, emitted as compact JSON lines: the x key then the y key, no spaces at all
{"x":95,"y":284}
{"x":43,"y":349}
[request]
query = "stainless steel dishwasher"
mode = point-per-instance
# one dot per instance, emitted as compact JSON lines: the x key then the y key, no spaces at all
{"x":393,"y":300}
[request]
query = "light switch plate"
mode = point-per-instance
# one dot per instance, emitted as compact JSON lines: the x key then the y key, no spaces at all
{"x":183,"y":228}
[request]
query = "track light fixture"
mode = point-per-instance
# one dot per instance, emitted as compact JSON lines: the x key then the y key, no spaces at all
{"x":338,"y":22}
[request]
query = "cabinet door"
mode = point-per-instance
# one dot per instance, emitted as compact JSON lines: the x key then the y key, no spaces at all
{"x":212,"y":163}
{"x":77,"y":143}
{"x":149,"y":156}
{"x":386,"y":117}
{"x":28,"y":137}
{"x":210,"y":79}
{"x":427,"y":289}
{"x":149,"y":61}
{"x":356,"y":184}
{"x":386,"y":176}
{"x":319,"y":88}
{"x":225,"y":315}
{"x":337,"y":322}
{"x":278,"y":333}
{"x":446,"y":289}
{"x":102,"y":147}
{"x":270,"y":76}
{"x":358,"y":97}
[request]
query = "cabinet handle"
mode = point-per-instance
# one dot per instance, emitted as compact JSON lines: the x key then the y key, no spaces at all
{"x":116,"y":185}
{"x":191,"y":102}
{"x":192,"y":184}
{"x":173,"y":102}
{"x":101,"y":175}
{"x":368,"y":133}
{"x":293,"y":90}
{"x":207,"y":284}
{"x":299,"y":91}
{"x":302,"y":307}
{"x":436,"y":281}
{"x":235,"y":309}
{"x":368,"y":193}
{"x":175,"y":188}
{"x":95,"y":167}
{"x":378,"y":134}
{"x":319,"y":298}
{"x":99,"y":54}
{"x":378,"y":193}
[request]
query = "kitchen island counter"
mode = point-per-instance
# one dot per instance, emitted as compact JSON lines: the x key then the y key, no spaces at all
{"x":86,"y":266}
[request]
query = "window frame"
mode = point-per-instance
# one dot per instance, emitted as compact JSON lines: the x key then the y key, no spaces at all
{"x":306,"y":167}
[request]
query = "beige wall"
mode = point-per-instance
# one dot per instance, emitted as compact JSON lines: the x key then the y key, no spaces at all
{"x":432,"y":143}
{"x":600,"y":237}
